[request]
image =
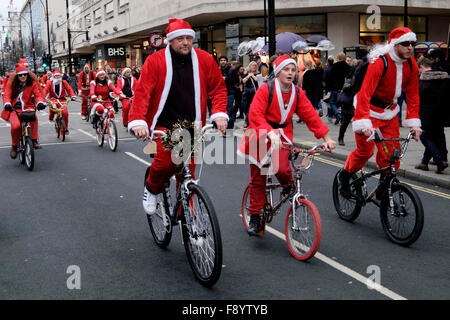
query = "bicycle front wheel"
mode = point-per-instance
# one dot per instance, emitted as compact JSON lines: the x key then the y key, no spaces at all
{"x":347,"y":209}
{"x":62,"y":128}
{"x":244,"y":208}
{"x":29,"y":154}
{"x":403,"y":225}
{"x":304,"y":231}
{"x":112,"y":135}
{"x":201,"y":237}
{"x":99,"y":134}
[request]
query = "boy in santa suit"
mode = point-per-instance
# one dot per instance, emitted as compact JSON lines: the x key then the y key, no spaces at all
{"x":58,"y":89}
{"x":273,"y":123}
{"x":127,"y":85}
{"x":377,"y":104}
{"x":19,"y":94}
{"x":84,"y":80}
{"x":174,"y":85}
{"x":45,"y":78}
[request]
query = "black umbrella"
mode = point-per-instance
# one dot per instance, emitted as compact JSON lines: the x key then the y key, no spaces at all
{"x":316,"y":38}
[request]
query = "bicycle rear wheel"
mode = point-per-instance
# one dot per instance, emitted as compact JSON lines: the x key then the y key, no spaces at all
{"x":99,"y":134}
{"x":29,"y":153}
{"x":405,"y":225}
{"x":304,"y":234}
{"x":21,"y":150}
{"x":347,"y":209}
{"x":244,"y":207}
{"x":201,"y":237}
{"x":112,"y":135}
{"x":62,"y":128}
{"x":57,"y":129}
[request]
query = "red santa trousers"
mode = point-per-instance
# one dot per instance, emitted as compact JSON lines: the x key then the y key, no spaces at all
{"x":65,"y":116}
{"x":84,"y":102}
{"x":16,"y":128}
{"x":163,"y":169}
{"x":257,"y":190}
{"x":364,"y":150}
{"x":126,"y":103}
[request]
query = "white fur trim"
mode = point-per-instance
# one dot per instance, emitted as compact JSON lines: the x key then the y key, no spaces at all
{"x":361,"y":124}
{"x":197,"y":89}
{"x":125,"y":70}
{"x":100,"y":72}
{"x":284,"y":113}
{"x":219,"y":115}
{"x":284,"y":64}
{"x":409,"y":123}
{"x":23,"y":72}
{"x":410,"y":36}
{"x":253,"y":160}
{"x":136,"y":123}
{"x":386,"y":115}
{"x":378,"y":50}
{"x":399,"y":81}
{"x":180,"y":32}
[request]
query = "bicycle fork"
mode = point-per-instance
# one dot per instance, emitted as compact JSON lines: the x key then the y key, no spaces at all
{"x":298,"y":195}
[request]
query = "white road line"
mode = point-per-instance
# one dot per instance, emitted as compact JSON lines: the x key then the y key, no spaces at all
{"x":137,"y":158}
{"x":385,"y":291}
{"x":87,"y":133}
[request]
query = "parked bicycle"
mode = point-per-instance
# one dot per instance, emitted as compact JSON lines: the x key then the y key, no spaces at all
{"x":194,"y":213}
{"x":303,"y":226}
{"x":25,"y":148}
{"x":401,"y":209}
{"x":106,"y":126}
{"x":60,"y":124}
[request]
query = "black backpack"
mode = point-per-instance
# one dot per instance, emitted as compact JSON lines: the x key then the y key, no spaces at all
{"x":360,"y":72}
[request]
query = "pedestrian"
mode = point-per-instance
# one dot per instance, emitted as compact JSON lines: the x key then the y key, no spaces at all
{"x":174,"y":86}
{"x":135,"y":72}
{"x":434,"y":92}
{"x":84,"y":85}
{"x":326,"y":79}
{"x":263,"y":68}
{"x":232,"y":83}
{"x":238,"y":90}
{"x":377,"y":105}
{"x":225,"y":69}
{"x":336,"y":78}
{"x":439,"y":62}
{"x":345,"y":102}
{"x":250,"y":82}
{"x":312,"y":84}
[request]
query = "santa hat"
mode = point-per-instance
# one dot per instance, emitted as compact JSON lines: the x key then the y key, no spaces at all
{"x":282,"y":62}
{"x":178,"y":28}
{"x":21,"y":69}
{"x":57,"y":73}
{"x":125,"y":70}
{"x":23,"y":61}
{"x":99,"y":72}
{"x":396,"y":36}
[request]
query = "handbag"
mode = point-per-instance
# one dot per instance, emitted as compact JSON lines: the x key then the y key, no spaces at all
{"x":28,"y":116}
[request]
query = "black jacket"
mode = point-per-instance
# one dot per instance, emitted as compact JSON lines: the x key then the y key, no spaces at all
{"x":312,"y":83}
{"x":434,"y":87}
{"x":336,"y":76}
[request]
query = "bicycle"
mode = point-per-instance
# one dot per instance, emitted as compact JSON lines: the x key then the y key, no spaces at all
{"x":401,"y":210}
{"x":25,"y":148}
{"x":195,"y":215}
{"x":106,"y":126}
{"x":303,"y":226}
{"x":60,"y":124}
{"x":88,"y":115}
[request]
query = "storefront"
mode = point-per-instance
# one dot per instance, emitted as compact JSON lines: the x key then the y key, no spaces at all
{"x":112,"y":55}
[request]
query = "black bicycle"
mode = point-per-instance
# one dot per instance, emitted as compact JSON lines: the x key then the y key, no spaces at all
{"x":401,"y":209}
{"x":25,"y":148}
{"x":194,"y":213}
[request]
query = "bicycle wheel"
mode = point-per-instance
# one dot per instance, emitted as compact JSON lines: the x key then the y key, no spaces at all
{"x":62,"y":129}
{"x":304,"y":234}
{"x":112,"y":135}
{"x":21,"y":150}
{"x":29,"y":153}
{"x":244,"y":207}
{"x":347,"y":209}
{"x":99,"y":134}
{"x":405,"y":225}
{"x":58,"y":132}
{"x":201,"y":237}
{"x":159,"y":222}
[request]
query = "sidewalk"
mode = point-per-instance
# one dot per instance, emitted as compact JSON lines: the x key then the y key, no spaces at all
{"x":304,"y":138}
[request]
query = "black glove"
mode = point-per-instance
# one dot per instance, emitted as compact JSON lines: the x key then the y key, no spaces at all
{"x":41,"y":106}
{"x":8,"y":107}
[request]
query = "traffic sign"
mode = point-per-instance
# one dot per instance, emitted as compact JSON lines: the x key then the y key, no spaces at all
{"x":156,"y":40}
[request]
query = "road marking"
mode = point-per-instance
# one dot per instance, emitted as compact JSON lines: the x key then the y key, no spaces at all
{"x":137,"y":158}
{"x":87,"y":133}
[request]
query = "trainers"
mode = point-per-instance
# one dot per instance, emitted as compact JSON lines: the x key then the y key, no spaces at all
{"x":422,"y":166}
{"x":344,"y":181}
{"x":83,"y":117}
{"x":13,"y":152}
{"x":254,"y":225}
{"x":149,"y":202}
{"x":36,"y":144}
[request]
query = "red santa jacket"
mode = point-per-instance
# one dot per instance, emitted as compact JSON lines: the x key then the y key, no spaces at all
{"x":121,"y":84}
{"x":154,"y":84}
{"x":84,"y":80}
{"x":65,"y":90}
{"x":24,"y":98}
{"x":253,"y":144}
{"x":399,"y":77}
{"x":97,"y":90}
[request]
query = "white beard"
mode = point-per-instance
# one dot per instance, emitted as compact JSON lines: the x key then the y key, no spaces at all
{"x":56,"y":81}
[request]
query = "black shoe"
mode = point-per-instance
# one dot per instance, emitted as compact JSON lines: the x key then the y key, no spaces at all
{"x":344,"y":181}
{"x":341,"y":142}
{"x":254,"y":225}
{"x":337,"y":121}
{"x":382,"y":186}
{"x":440,"y":167}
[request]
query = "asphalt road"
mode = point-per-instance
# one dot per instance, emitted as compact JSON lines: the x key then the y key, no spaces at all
{"x":81,"y":206}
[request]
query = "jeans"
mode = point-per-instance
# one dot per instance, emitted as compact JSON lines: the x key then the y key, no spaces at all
{"x":230,"y":111}
{"x":433,"y":146}
{"x":247,"y":98}
{"x":400,"y":101}
{"x":332,"y":103}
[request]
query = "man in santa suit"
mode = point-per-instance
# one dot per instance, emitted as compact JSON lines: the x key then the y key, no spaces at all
{"x":127,"y":85}
{"x":57,"y":90}
{"x":377,"y":103}
{"x":84,"y":79}
{"x":174,"y":85}
{"x":273,"y":123}
{"x":45,"y":78}
{"x":5,"y":82}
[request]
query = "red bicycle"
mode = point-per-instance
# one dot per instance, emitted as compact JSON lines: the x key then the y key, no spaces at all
{"x":106,"y":126}
{"x":303,"y":226}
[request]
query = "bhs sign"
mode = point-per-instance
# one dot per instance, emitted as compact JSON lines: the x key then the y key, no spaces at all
{"x":114,"y":52}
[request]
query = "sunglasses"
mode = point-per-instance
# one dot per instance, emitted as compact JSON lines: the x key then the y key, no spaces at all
{"x":407,"y":43}
{"x":23,"y":75}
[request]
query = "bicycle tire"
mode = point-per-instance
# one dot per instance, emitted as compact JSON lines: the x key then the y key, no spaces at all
{"x":29,"y":154}
{"x":347,"y":209}
{"x":298,"y":249}
{"x":206,"y":275}
{"x":21,"y":150}
{"x":99,"y":134}
{"x":161,"y":237}
{"x":58,"y":132}
{"x":387,"y":219}
{"x":62,"y":128}
{"x":244,"y":207}
{"x":112,"y":139}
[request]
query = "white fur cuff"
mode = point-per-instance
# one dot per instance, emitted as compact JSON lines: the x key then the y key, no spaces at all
{"x":409,"y":123}
{"x":219,"y":115}
{"x":359,"y":125}
{"x":136,"y":123}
